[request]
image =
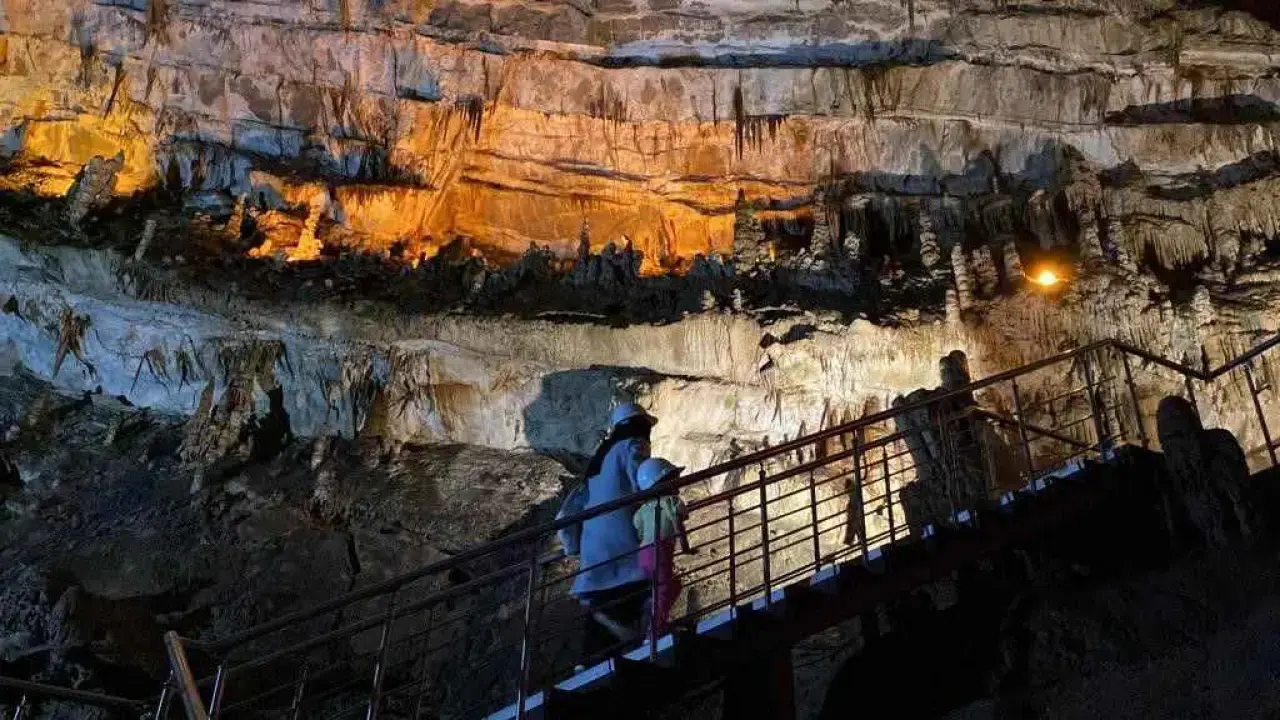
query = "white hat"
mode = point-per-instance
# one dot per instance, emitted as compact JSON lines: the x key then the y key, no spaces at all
{"x":654,"y":471}
{"x":629,"y":411}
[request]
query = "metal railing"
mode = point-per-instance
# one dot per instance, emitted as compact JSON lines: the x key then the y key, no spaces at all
{"x":497,"y":623}
{"x":30,"y":694}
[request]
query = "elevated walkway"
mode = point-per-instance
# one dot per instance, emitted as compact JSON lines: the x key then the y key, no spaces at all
{"x":755,"y":639}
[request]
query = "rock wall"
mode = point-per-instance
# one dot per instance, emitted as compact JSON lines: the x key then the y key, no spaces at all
{"x":511,"y":122}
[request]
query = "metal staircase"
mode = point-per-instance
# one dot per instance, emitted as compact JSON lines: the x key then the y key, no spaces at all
{"x":786,"y":541}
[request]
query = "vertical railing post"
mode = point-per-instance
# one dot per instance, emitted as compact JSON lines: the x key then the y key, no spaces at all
{"x":888,"y":491}
{"x":162,"y":704}
{"x":526,"y":641}
{"x":1023,"y":439}
{"x":654,"y":585}
{"x":426,"y":665}
{"x":1095,"y":412}
{"x":1257,"y":407}
{"x":219,"y":686}
{"x":950,"y":473}
{"x":813,"y":518}
{"x":733,"y":556}
{"x":1133,"y":398}
{"x":380,"y":664}
{"x":764,"y":538}
{"x":1125,"y":432}
{"x":22,"y":706}
{"x":295,"y":706}
{"x":855,"y":517}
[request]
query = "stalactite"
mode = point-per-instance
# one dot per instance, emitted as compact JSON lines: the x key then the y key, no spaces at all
{"x":472,"y":106}
{"x":750,"y":130}
{"x":344,"y":14}
{"x":158,"y":20}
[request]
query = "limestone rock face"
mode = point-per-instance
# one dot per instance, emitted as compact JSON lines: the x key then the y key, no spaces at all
{"x":514,"y":121}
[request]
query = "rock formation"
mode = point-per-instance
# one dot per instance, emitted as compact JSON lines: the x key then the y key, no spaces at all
{"x":1209,"y":472}
{"x":402,"y":227}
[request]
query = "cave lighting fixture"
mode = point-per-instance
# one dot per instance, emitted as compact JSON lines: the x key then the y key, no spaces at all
{"x":1046,"y":278}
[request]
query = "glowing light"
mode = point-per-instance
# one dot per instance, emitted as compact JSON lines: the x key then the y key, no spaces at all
{"x":1046,"y":278}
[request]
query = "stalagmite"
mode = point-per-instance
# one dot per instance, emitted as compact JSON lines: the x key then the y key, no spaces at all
{"x":93,"y":187}
{"x":708,"y":302}
{"x":235,"y":224}
{"x":1090,"y":240}
{"x":1202,"y":307}
{"x":1120,"y":245}
{"x":963,"y":279}
{"x":148,"y":233}
{"x":1226,"y":251}
{"x":852,"y":248}
{"x":1251,"y":246}
{"x":930,"y":255}
{"x":308,"y":247}
{"x":748,"y":235}
{"x":820,"y":240}
{"x":953,"y":307}
{"x":985,"y":274}
{"x":584,"y":243}
{"x":1012,"y":264}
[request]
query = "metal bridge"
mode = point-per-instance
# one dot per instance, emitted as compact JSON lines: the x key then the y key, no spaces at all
{"x":785,"y":542}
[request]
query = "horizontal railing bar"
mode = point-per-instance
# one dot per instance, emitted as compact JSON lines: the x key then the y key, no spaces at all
{"x":57,"y":692}
{"x":547,"y":529}
{"x":536,"y":533}
{"x":1011,"y":422}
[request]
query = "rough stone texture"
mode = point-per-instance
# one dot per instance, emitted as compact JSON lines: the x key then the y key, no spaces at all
{"x":512,"y":121}
{"x":107,"y":545}
{"x":564,"y":206}
{"x":1209,"y":473}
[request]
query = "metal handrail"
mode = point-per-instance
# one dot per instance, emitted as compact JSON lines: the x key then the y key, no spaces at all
{"x":83,"y":697}
{"x":189,"y":688}
{"x":521,"y":536}
{"x":690,"y":479}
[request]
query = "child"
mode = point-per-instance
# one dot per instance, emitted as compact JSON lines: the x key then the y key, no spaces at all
{"x":659,"y":523}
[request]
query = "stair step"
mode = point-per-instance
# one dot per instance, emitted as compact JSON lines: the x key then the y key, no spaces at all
{"x":640,"y":675}
{"x":698,"y":655}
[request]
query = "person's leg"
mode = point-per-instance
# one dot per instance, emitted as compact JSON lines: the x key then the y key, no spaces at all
{"x":597,"y":640}
{"x":613,"y":618}
{"x":668,"y":585}
{"x":629,"y":608}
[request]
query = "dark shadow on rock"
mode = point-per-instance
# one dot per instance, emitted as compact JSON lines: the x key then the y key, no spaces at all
{"x":1202,"y":184}
{"x":1236,"y":109}
{"x":570,"y":415}
{"x":870,"y":54}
